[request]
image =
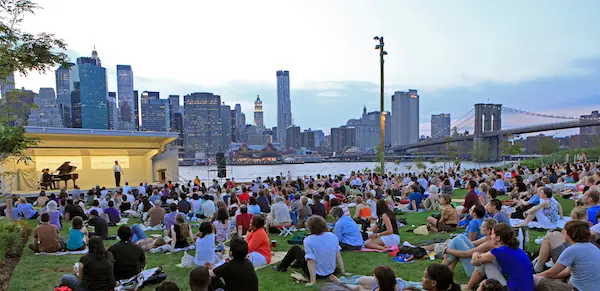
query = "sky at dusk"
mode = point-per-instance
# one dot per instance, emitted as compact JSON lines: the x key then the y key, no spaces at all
{"x":539,"y":56}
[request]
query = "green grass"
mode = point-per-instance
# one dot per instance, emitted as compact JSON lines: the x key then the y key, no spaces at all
{"x":44,"y":272}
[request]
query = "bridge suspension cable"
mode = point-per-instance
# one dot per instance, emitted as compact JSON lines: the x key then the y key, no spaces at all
{"x":458,"y":121}
{"x":531,"y":113}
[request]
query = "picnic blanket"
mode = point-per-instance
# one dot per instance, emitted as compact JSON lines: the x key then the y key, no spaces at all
{"x":148,"y":228}
{"x":123,"y":221}
{"x":276,"y":257}
{"x":64,"y":253}
{"x":167,"y":249}
{"x":534,"y":224}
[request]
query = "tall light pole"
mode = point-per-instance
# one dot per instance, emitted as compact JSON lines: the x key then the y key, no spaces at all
{"x":382,"y":113}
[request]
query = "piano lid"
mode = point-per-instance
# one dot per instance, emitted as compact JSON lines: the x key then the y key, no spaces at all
{"x":65,"y":168}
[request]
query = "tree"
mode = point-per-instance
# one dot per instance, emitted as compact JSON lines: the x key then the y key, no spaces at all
{"x":480,"y":151}
{"x":419,"y":163}
{"x":22,"y":52}
{"x":547,"y":145}
{"x":379,"y":158}
{"x":508,"y":147}
{"x":408,"y":167}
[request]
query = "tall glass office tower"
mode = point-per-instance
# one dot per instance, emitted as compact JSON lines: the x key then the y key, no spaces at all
{"x":126,"y":97}
{"x":89,"y":94}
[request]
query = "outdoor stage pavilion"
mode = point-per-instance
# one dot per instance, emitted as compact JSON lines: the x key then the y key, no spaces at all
{"x":93,"y":152}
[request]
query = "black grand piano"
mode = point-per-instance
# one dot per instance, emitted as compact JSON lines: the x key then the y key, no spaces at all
{"x":65,"y":173}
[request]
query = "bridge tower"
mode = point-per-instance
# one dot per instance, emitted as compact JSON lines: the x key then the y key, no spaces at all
{"x":488,"y":119}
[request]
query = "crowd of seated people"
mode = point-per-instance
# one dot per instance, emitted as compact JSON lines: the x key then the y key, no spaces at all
{"x":225,"y":214}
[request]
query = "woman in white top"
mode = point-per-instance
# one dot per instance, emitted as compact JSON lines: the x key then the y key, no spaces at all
{"x":547,"y":213}
{"x":205,"y":245}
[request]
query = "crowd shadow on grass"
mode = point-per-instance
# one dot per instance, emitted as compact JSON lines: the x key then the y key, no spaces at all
{"x":44,"y":272}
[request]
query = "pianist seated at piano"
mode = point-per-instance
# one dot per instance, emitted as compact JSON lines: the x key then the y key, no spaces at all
{"x":46,"y":180}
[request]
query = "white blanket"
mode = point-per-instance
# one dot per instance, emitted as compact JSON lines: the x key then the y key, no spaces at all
{"x":65,"y":253}
{"x":148,"y":228}
{"x":123,"y":221}
{"x":535,"y":224}
{"x":167,"y":248}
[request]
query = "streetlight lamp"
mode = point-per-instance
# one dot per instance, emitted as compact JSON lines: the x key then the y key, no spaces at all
{"x":382,"y":53}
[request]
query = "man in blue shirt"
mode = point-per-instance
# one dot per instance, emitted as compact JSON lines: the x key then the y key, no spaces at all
{"x":473,"y":231}
{"x":590,"y":198}
{"x":346,"y":231}
{"x":494,"y":208}
{"x":414,"y":198}
{"x":499,"y":184}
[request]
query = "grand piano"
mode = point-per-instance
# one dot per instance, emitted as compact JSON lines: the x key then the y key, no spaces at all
{"x":65,"y":173}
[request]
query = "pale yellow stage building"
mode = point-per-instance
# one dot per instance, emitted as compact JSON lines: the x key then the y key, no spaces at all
{"x":94,"y":152}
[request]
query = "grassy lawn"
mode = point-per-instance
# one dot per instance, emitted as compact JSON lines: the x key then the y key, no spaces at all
{"x":44,"y":272}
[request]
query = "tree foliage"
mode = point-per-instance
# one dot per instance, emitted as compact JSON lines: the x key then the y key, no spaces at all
{"x":22,"y":52}
{"x":480,"y":151}
{"x":419,"y":163}
{"x":547,"y":145}
{"x":507,"y":147}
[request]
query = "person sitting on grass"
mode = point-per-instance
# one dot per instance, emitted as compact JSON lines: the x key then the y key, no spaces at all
{"x":462,"y":248}
{"x":414,"y":198}
{"x":385,"y":234}
{"x":223,"y":226}
{"x":46,"y":237}
{"x":494,"y":208}
{"x":130,"y":259}
{"x":114,"y":216}
{"x":259,"y":246}
{"x":100,"y":225}
{"x":334,"y":202}
{"x":170,"y":217}
{"x":506,"y":262}
{"x":238,"y":273}
{"x":242,"y":221}
{"x":432,"y":201}
{"x":78,"y":235}
{"x":591,"y":199}
{"x":448,"y":222}
{"x":554,"y":243}
{"x":548,"y":212}
{"x":580,"y":261}
{"x":437,"y":277}
{"x":180,"y":233}
{"x":25,"y":209}
{"x":205,"y":245}
{"x":320,"y":254}
{"x":156,"y":214}
{"x":199,"y":279}
{"x":304,"y":212}
{"x":94,"y":271}
{"x":471,"y":198}
{"x":345,"y":229}
{"x":167,"y":285}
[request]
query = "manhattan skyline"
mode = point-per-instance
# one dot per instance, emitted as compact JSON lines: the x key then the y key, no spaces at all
{"x":512,"y":53}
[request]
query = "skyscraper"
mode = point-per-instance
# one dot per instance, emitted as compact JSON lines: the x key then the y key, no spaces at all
{"x":47,"y":113}
{"x":284,"y":105}
{"x":113,"y":113}
{"x":126,"y":114}
{"x":155,"y":113}
{"x":293,"y":137}
{"x":7,"y":85}
{"x":258,"y":113}
{"x":342,"y":137}
{"x":308,"y":139}
{"x":63,"y":94}
{"x":95,"y":57}
{"x":240,"y":121}
{"x":136,"y":105}
{"x":226,"y":127}
{"x":89,"y":94}
{"x":440,"y":125}
{"x":368,"y":129}
{"x":405,"y":117}
{"x":202,"y":125}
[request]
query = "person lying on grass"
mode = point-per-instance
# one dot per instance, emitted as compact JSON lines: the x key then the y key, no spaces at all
{"x":548,"y":212}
